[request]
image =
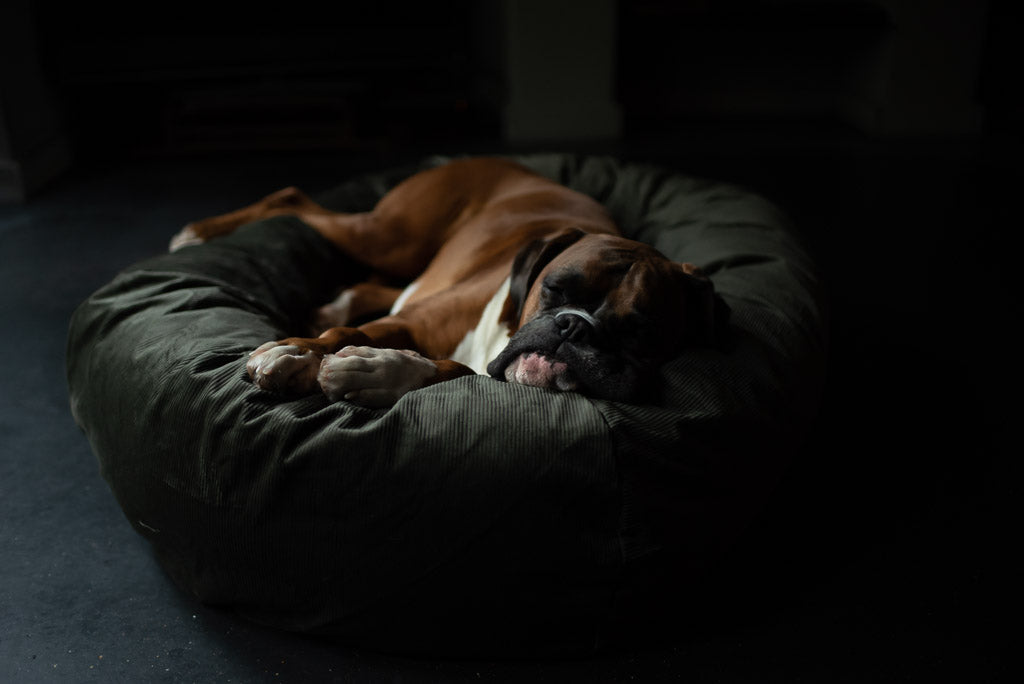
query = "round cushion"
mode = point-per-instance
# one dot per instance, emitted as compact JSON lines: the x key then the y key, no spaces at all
{"x":475,"y":516}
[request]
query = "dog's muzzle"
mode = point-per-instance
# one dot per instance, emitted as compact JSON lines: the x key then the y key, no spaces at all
{"x":575,"y":324}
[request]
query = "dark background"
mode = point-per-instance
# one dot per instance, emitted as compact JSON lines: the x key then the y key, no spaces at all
{"x":890,"y":131}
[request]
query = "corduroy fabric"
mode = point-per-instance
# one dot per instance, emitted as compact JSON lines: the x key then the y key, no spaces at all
{"x":474,"y":517}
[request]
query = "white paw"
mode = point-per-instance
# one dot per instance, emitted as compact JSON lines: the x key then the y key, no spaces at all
{"x":335,"y":314}
{"x":284,"y":368}
{"x":185,"y":237}
{"x":373,"y":377}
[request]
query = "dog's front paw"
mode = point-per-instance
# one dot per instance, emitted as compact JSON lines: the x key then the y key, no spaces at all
{"x":373,"y":377}
{"x":284,"y":368}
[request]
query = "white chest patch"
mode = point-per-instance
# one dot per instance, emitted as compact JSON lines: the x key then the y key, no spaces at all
{"x":481,"y":345}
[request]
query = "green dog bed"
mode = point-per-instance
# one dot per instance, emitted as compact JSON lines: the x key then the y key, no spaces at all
{"x":474,"y":517}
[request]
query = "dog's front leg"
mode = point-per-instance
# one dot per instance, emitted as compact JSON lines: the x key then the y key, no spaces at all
{"x":373,"y":377}
{"x":379,"y":377}
{"x":372,"y":365}
{"x":291,"y":366}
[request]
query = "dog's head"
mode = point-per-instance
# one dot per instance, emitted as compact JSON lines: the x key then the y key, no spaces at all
{"x":598,"y":314}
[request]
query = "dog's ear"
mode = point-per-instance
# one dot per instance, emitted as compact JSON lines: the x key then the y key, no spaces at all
{"x":527,"y":265}
{"x":705,"y":313}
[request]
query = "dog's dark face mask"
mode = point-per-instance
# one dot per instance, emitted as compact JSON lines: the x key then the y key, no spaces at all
{"x":598,"y":314}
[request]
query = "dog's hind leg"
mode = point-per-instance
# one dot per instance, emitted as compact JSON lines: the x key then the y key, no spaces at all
{"x":398,"y":237}
{"x":355,"y":303}
{"x":287,"y":201}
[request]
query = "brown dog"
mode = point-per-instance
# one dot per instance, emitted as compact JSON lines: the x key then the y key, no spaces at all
{"x":510,"y":274}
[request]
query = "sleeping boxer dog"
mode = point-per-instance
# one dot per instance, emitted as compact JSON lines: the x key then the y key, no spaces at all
{"x":508,"y":273}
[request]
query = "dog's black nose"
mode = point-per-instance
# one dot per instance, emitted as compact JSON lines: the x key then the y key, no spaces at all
{"x":574,"y":324}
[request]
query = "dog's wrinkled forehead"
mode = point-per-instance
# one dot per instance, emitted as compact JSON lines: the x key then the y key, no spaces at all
{"x":607,"y":272}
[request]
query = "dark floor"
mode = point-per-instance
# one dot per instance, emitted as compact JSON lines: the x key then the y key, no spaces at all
{"x":884,"y":557}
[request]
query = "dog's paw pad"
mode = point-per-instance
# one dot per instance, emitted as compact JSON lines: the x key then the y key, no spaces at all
{"x":284,"y":368}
